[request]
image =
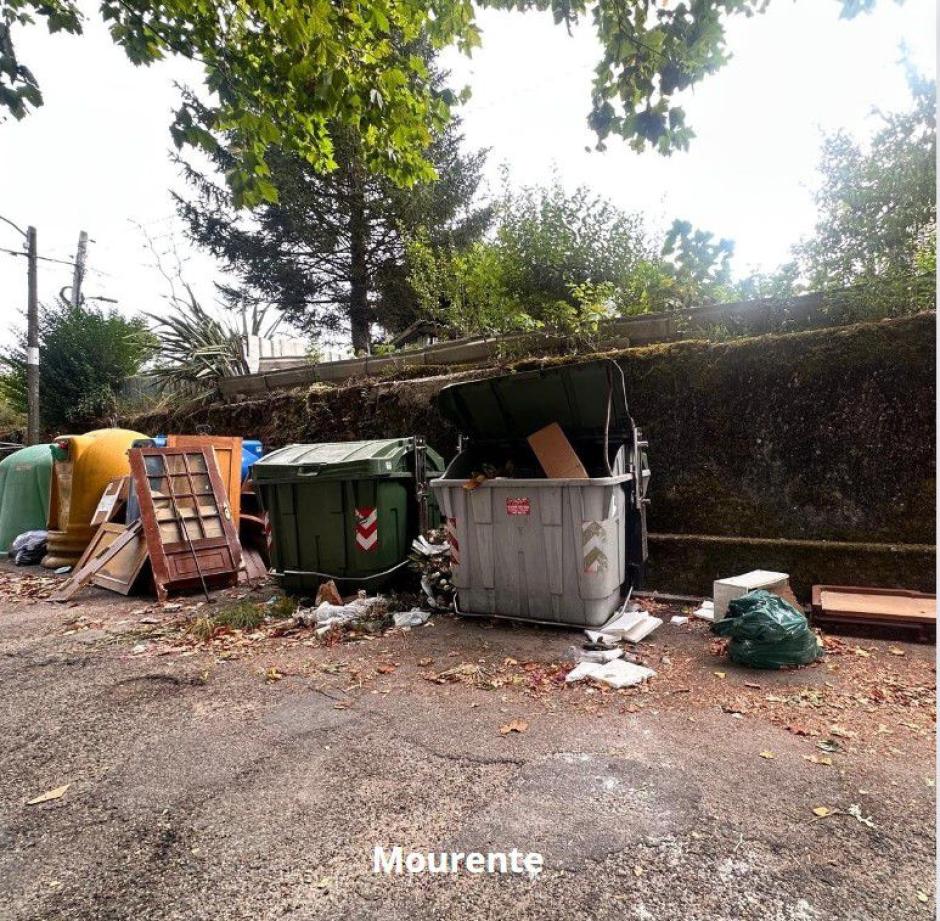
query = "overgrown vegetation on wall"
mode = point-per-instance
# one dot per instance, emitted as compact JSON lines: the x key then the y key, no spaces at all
{"x":825,"y":434}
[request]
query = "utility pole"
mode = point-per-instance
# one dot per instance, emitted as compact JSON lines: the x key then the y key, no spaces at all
{"x":32,"y":341}
{"x":78,"y":273}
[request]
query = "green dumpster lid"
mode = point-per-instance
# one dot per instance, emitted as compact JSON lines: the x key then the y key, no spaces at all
{"x":513,"y":406}
{"x":342,"y":459}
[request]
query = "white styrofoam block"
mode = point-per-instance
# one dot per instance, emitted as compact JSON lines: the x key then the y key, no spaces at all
{"x":618,"y":674}
{"x":623,"y":623}
{"x":643,"y":629}
{"x":601,"y":655}
{"x":725,"y":591}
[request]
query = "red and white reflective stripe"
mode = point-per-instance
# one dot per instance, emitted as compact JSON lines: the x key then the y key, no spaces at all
{"x":266,"y":528}
{"x":451,"y":530}
{"x":367,"y":528}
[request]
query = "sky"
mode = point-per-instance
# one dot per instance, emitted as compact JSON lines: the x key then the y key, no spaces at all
{"x":96,"y":155}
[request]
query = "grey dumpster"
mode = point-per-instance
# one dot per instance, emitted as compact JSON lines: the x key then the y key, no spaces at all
{"x":549,"y":550}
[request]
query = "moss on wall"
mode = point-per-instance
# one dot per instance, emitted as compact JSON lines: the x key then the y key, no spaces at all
{"x":827,"y":434}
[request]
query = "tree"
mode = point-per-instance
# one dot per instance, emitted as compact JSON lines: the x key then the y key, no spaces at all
{"x":330,"y":252}
{"x":292,"y":74}
{"x":563,"y":262}
{"x":698,"y":267}
{"x":86,"y":354}
{"x":877,"y":206}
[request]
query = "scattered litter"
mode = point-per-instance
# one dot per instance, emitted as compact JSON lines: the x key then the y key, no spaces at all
{"x":600,"y":639}
{"x":821,"y":812}
{"x":768,"y":755}
{"x":617,"y":674}
{"x":516,"y":725}
{"x":413,"y":618}
{"x":62,"y":570}
{"x":705,"y":611}
{"x":56,"y":793}
{"x":431,"y":558}
{"x":678,"y":619}
{"x":856,"y":812}
{"x":330,"y":615}
{"x":329,"y":593}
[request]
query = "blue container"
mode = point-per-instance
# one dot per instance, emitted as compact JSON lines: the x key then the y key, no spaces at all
{"x":251,"y":451}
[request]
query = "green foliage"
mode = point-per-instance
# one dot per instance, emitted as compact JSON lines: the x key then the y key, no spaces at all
{"x":330,"y":253}
{"x":877,"y":204}
{"x":291,"y":73}
{"x":239,"y":615}
{"x":699,"y":268}
{"x":562,"y":263}
{"x":85,"y":355}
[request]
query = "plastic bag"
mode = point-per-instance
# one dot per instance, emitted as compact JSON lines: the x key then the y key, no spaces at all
{"x":29,"y":548}
{"x":767,"y":632}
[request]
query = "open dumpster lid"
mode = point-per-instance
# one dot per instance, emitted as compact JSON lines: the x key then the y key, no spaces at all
{"x":341,"y":459}
{"x":513,"y":406}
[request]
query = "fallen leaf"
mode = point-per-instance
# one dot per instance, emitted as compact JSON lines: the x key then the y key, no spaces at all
{"x":767,"y":755}
{"x":828,"y":745}
{"x":841,"y":733}
{"x":822,"y":811}
{"x":516,"y":725}
{"x":818,"y":759}
{"x":272,"y":674}
{"x":864,"y":653}
{"x":637,"y":870}
{"x":896,"y":651}
{"x":57,"y":793}
{"x":341,"y":706}
{"x":385,"y":669}
{"x":425,"y":662}
{"x":720,"y":674}
{"x":922,"y":896}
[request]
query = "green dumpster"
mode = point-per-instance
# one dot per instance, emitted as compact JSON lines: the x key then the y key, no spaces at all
{"x":346,"y":511}
{"x":24,"y":493}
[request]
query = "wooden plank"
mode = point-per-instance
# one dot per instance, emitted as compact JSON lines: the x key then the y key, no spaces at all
{"x":864,"y":608}
{"x":112,"y":501}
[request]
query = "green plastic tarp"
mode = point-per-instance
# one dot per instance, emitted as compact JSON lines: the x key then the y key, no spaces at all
{"x":767,"y":632}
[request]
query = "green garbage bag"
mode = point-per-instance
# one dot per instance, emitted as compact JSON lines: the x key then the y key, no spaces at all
{"x":767,"y":632}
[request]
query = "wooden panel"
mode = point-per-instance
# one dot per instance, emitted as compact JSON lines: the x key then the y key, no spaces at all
{"x":93,"y":559}
{"x":228,"y":454}
{"x":119,"y":572}
{"x":187,"y":519}
{"x":113,"y":500}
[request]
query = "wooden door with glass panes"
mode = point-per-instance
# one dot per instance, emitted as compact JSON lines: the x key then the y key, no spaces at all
{"x":187,"y":518}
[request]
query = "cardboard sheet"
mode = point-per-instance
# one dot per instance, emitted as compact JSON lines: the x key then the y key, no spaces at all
{"x":556,"y":455}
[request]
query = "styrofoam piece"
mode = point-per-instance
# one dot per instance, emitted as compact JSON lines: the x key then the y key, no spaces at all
{"x":643,"y":629}
{"x":601,"y":655}
{"x":677,"y":619}
{"x":705,"y":611}
{"x":622,"y":624}
{"x":601,"y":639}
{"x":618,"y":674}
{"x":725,"y":591}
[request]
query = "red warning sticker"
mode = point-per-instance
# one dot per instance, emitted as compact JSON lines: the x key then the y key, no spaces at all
{"x":518,"y":506}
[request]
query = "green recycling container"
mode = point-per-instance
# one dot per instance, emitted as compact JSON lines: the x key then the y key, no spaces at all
{"x":346,"y":511}
{"x":25,"y":476}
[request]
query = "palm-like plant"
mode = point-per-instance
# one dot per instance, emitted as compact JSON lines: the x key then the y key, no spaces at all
{"x":196,"y":349}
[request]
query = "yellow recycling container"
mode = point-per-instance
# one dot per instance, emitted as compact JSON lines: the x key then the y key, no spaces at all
{"x":83,"y":465}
